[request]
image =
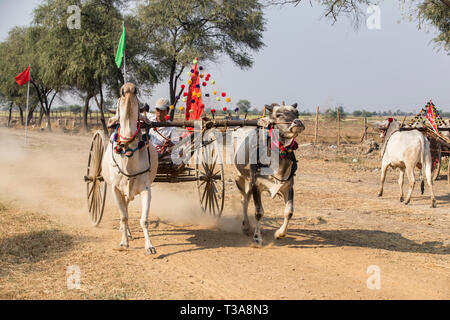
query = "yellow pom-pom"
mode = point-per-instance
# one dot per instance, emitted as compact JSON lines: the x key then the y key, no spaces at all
{"x":213,"y":82}
{"x":199,"y":95}
{"x":218,"y":98}
{"x":172,"y":107}
{"x":228,"y":100}
{"x":181,"y":108}
{"x":202,"y":75}
{"x":189,"y":82}
{"x":214,"y":92}
{"x":195,"y":61}
{"x":189,"y":74}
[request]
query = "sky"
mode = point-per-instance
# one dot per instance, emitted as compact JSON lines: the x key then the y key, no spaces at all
{"x":314,"y":63}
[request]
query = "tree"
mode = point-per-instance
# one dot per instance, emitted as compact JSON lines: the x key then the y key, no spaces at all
{"x":433,"y":12}
{"x":83,"y":59}
{"x":14,"y":60}
{"x":244,"y":106}
{"x":182,"y":30}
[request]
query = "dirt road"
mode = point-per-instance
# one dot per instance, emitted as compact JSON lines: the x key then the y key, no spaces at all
{"x":340,"y":228}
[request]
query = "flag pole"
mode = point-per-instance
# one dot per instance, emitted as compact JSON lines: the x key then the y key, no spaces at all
{"x":26,"y":117}
{"x":125,"y":58}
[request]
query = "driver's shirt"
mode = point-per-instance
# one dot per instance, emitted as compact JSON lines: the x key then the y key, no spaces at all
{"x":158,"y":135}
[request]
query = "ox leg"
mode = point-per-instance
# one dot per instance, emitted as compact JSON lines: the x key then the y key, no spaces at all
{"x":259,"y":213}
{"x":384,"y":167}
{"x":123,"y":209}
{"x":146,"y":199}
{"x":429,"y":177}
{"x":401,"y":179}
{"x":288,"y":211}
{"x":240,"y":183}
{"x":412,"y":182}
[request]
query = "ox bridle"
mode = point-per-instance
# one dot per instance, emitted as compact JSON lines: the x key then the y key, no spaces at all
{"x":285,"y":152}
{"x":122,"y":148}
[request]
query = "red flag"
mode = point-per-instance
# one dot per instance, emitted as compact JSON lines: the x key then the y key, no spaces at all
{"x":194,"y":98}
{"x":431,"y":118}
{"x":23,"y":77}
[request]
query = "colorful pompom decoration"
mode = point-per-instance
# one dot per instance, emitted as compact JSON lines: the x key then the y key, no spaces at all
{"x":167,"y":118}
{"x":228,"y":100}
{"x":207,"y":95}
{"x":202,"y":75}
{"x":236,"y":110}
{"x":192,"y":70}
{"x":224,"y":109}
{"x":195,"y":61}
{"x":172,"y":107}
{"x":218,"y":98}
{"x":199,"y":94}
{"x":224,"y":94}
{"x":192,"y":101}
{"x":183,"y":86}
{"x":201,"y":68}
{"x":185,"y":94}
{"x":204,"y":84}
{"x":181,"y":108}
{"x":191,"y":111}
{"x":214,"y":92}
{"x":213,"y":110}
{"x":189,"y":74}
{"x":189,"y":82}
{"x":197,"y":86}
{"x":184,"y":99}
{"x":213,"y":82}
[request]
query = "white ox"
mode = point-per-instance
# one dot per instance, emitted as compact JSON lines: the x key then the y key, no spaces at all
{"x":129,"y":164}
{"x":251,"y":179}
{"x":405,"y":150}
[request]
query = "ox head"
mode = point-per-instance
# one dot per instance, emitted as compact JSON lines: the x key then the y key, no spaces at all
{"x":390,"y":124}
{"x":127,"y":107}
{"x":285,"y":119}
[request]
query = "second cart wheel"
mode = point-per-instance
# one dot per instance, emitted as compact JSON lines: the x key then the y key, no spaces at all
{"x":437,"y":166}
{"x":210,"y":176}
{"x":96,"y":186}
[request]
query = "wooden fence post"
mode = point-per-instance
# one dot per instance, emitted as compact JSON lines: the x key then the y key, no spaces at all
{"x":316,"y":130}
{"x":339,"y":126}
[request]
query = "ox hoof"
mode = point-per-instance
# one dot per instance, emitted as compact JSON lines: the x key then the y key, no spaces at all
{"x":433,"y":203}
{"x":150,"y":251}
{"x":407,"y":202}
{"x":246,"y":231}
{"x":258,"y":241}
{"x":279,"y":235}
{"x":380,"y":194}
{"x":123,"y":247}
{"x":402,"y":199}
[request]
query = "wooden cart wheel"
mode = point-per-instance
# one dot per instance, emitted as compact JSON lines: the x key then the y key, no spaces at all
{"x":437,"y":167}
{"x":96,"y":186}
{"x":210,"y":176}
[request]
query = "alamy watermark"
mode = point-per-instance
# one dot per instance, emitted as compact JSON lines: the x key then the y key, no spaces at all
{"x":374,"y":280}
{"x":74,"y":20}
{"x":373,"y":21}
{"x":73,"y":277}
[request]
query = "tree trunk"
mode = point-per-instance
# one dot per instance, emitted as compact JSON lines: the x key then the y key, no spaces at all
{"x":10,"y":114}
{"x":21,"y":116}
{"x":41,"y":115}
{"x":85,"y":112}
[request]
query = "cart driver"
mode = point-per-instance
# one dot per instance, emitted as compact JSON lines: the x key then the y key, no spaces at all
{"x":162,"y":138}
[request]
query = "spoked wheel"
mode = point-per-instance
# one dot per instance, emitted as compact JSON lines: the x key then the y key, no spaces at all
{"x":96,"y":186}
{"x":210,"y":176}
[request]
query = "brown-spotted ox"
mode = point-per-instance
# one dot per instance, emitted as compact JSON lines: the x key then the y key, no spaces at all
{"x":279,"y":131}
{"x":405,"y":150}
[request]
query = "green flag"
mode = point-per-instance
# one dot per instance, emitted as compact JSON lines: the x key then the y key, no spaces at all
{"x":121,"y":49}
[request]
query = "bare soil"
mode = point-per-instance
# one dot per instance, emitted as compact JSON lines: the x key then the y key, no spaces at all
{"x":340,"y":228}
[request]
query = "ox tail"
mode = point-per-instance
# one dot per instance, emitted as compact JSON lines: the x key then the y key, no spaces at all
{"x":426,"y":146}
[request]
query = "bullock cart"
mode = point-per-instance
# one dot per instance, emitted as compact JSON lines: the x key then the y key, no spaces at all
{"x":439,"y":144}
{"x":207,"y":172}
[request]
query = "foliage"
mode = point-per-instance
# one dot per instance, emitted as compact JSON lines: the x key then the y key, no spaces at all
{"x":181,"y":30}
{"x":244,"y":106}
